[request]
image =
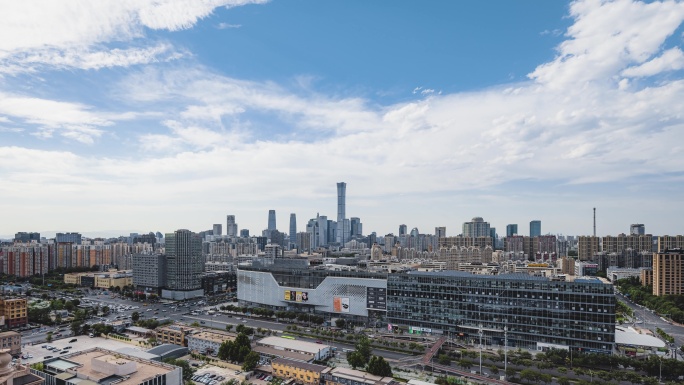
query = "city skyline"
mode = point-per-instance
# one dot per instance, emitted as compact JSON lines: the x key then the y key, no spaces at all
{"x":136,"y":117}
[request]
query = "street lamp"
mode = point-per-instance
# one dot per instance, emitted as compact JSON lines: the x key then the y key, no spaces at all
{"x":505,"y":350}
{"x":480,"y":333}
{"x":660,"y":377}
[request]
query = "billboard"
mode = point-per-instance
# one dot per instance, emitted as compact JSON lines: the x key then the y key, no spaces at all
{"x":376,"y":298}
{"x":341,"y":304}
{"x":297,"y":296}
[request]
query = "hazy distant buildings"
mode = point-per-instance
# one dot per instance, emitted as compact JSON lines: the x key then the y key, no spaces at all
{"x":402,"y":230}
{"x":271,"y":220}
{"x":231,"y":226}
{"x":637,"y":229}
{"x":535,"y":228}
{"x":217,"y":229}
{"x":511,"y":230}
{"x":356,"y":227}
{"x":440,"y":232}
{"x":587,"y":247}
{"x":244,"y":233}
{"x":68,"y":238}
{"x":26,"y":237}
{"x":185,"y":265}
{"x":293,"y":229}
{"x":476,"y":228}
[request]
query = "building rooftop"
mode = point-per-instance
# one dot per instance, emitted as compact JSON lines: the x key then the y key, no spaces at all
{"x":629,"y":336}
{"x":268,"y":351}
{"x":359,"y":376}
{"x":298,"y":364}
{"x":103,"y":366}
{"x":296,"y":345}
{"x":214,"y":336}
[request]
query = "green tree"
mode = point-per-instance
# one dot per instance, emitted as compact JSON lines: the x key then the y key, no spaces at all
{"x":229,"y":328}
{"x":529,"y":375}
{"x":49,"y":337}
{"x":105,"y":310}
{"x":340,"y":323}
{"x":76,"y":327}
{"x":465,"y":364}
{"x":135,"y":316}
{"x":563,"y":381}
{"x":379,"y":367}
{"x":188,"y":371}
{"x":355,"y":359}
{"x":444,"y":359}
{"x":251,"y":361}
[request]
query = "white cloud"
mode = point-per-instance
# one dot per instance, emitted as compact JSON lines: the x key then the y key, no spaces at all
{"x":238,"y":144}
{"x":670,"y":60}
{"x":228,"y":26}
{"x":71,"y":120}
{"x":607,"y":37}
{"x":64,"y":33}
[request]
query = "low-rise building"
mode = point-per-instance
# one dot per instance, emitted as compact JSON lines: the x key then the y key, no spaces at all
{"x":15,"y":311}
{"x":104,"y":367}
{"x":11,"y":374}
{"x":173,"y":334}
{"x":208,"y":341}
{"x":301,"y":372}
{"x":319,"y":351}
{"x":345,"y":376}
{"x":11,"y":341}
{"x":102,"y":280}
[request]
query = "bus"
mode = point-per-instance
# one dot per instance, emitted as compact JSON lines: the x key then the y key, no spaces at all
{"x":288,"y":337}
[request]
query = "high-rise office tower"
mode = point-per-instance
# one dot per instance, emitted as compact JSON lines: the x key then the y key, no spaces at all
{"x":322,"y":230}
{"x":231,"y":226}
{"x":440,"y":232}
{"x":402,"y":230}
{"x":637,"y":229}
{"x":535,"y":228}
{"x":293,"y":229}
{"x":184,"y":262}
{"x":271,"y":220}
{"x":217,"y":229}
{"x":511,"y":230}
{"x":244,"y":233}
{"x":341,"y":211}
{"x":355,"y":227}
{"x":477,"y":227}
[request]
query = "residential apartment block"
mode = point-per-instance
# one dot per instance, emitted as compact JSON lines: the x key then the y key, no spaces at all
{"x":668,"y":272}
{"x":301,"y":372}
{"x":11,"y":341}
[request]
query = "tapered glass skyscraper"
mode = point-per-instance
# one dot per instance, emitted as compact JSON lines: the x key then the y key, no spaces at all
{"x":341,"y":211}
{"x":535,"y":228}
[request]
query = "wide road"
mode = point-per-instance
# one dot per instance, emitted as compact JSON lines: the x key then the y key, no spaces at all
{"x":649,"y":320}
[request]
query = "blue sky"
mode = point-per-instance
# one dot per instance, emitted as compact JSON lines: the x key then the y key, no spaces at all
{"x":144,"y":116}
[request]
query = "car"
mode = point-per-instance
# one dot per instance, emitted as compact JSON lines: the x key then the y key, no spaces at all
{"x":46,"y":357}
{"x":269,"y":378}
{"x":244,"y":321}
{"x":319,"y":341}
{"x":68,"y":347}
{"x":44,"y":346}
{"x":202,"y":322}
{"x":73,"y":340}
{"x":91,"y":335}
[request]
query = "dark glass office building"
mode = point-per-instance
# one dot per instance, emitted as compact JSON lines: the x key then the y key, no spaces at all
{"x":537,"y":312}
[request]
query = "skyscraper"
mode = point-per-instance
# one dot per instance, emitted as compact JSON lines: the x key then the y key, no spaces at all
{"x":341,"y":212}
{"x":477,"y":227}
{"x":184,"y":261}
{"x":535,"y":228}
{"x":293,"y":229}
{"x":402,"y":230}
{"x":511,"y":230}
{"x":440,"y":232}
{"x":231,"y":226}
{"x":271,"y":220}
{"x":356,"y":229}
{"x":217,"y":229}
{"x":637,"y":229}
